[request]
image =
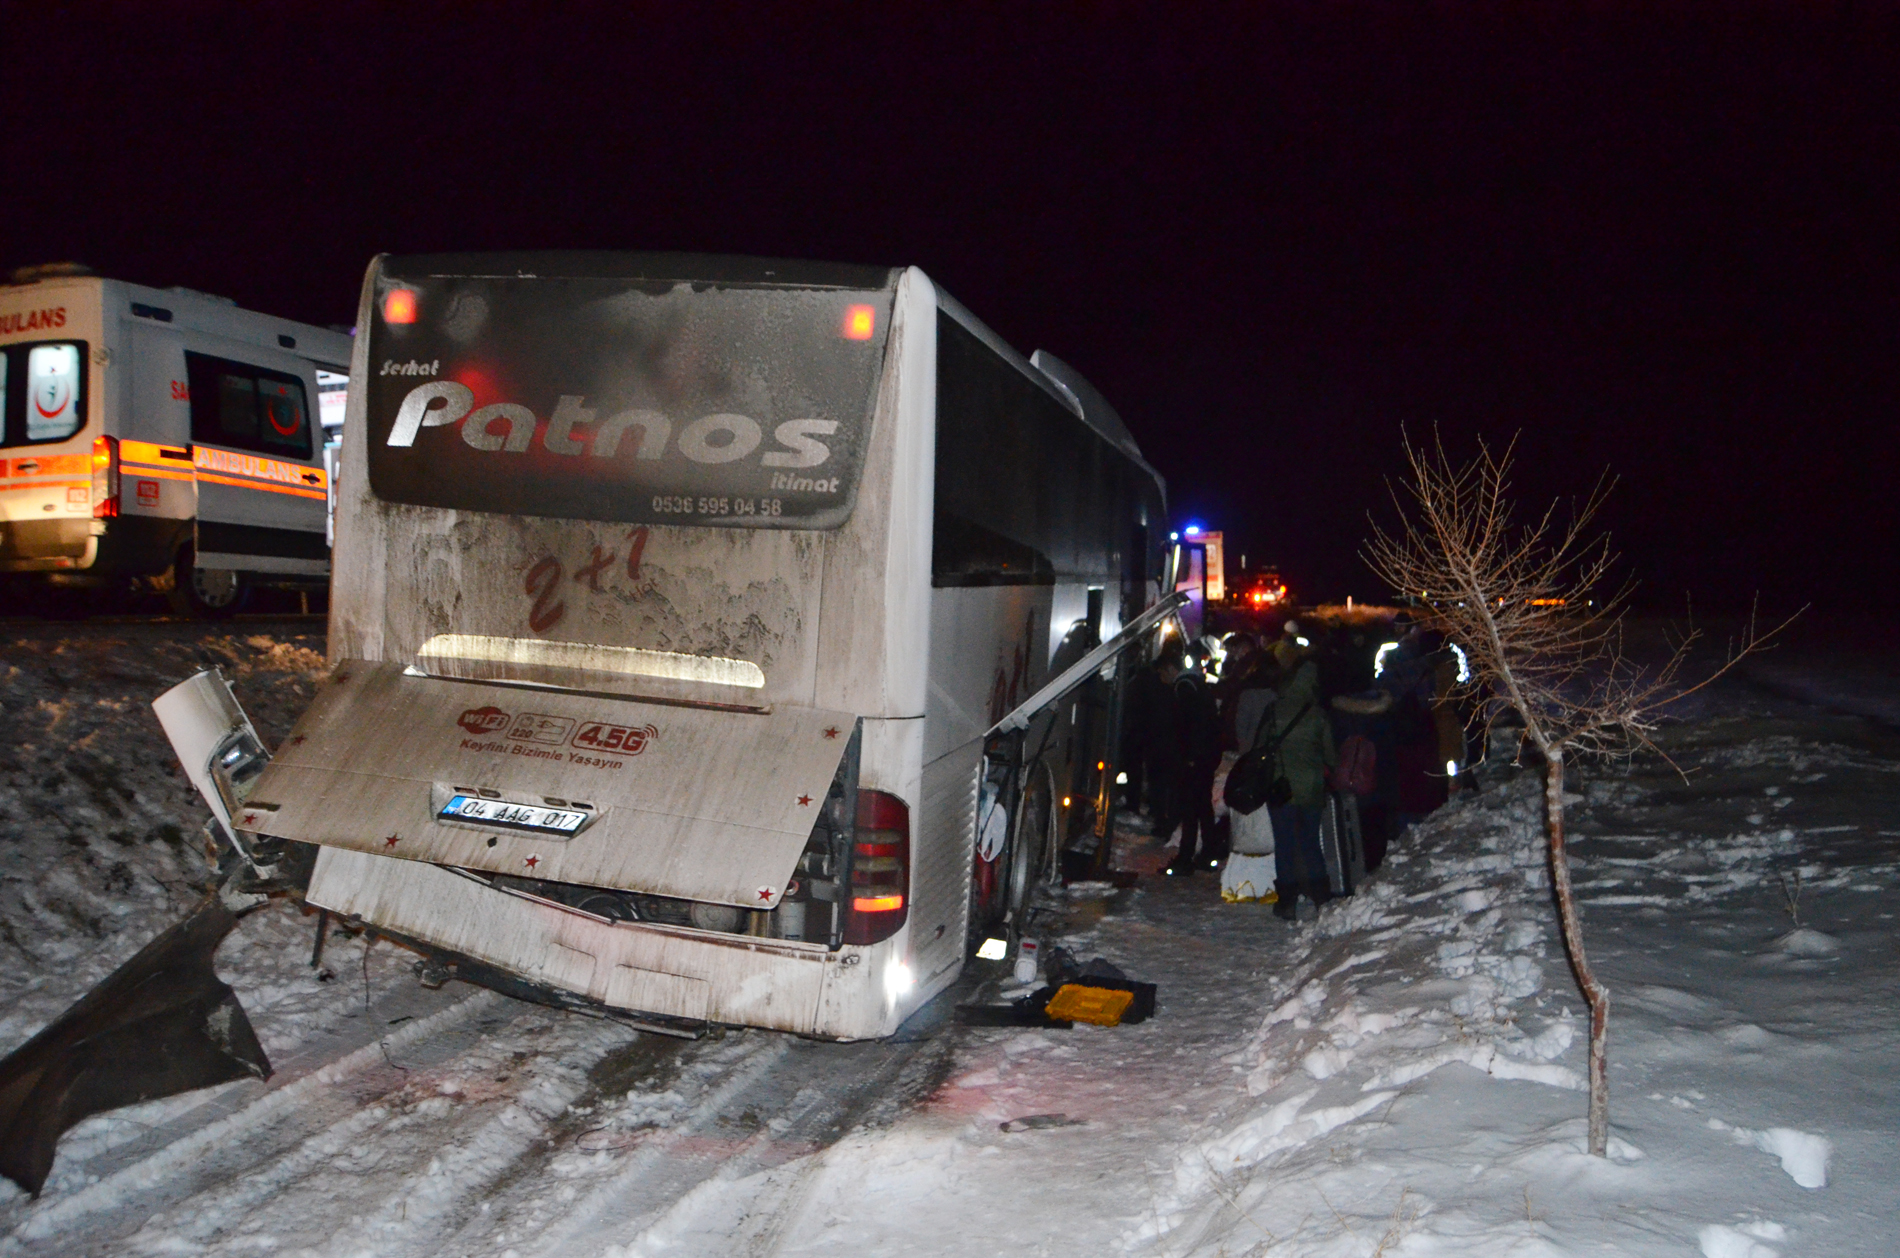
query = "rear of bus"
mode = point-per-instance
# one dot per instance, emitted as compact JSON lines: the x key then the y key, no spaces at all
{"x":54,"y":492}
{"x":628,"y":631}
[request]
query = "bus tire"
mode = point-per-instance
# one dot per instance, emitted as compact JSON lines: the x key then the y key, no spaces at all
{"x":206,"y":593}
{"x":1030,"y":847}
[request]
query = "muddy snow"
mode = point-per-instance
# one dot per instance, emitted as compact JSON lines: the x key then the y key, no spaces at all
{"x":1401,"y":1076}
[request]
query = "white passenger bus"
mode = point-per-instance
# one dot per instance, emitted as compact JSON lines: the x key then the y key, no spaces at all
{"x":686,"y":620}
{"x":159,"y":436}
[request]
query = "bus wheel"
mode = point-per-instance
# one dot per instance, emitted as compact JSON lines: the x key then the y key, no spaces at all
{"x":1035,"y":817}
{"x":206,"y":593}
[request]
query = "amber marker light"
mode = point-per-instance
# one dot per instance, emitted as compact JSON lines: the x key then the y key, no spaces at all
{"x":859,"y":323}
{"x":399,"y":306}
{"x":877,"y":903}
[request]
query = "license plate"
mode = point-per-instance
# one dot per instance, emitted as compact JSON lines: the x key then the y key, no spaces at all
{"x":495,"y":812}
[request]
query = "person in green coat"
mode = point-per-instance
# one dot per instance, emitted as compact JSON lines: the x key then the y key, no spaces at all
{"x":1305,"y":754}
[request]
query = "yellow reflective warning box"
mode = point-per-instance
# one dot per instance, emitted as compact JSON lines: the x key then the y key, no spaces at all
{"x":1101,"y":1005}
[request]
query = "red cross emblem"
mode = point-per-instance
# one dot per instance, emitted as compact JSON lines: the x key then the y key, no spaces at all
{"x":391,"y":840}
{"x":831,"y":732}
{"x":804,"y":801}
{"x":532,"y":861}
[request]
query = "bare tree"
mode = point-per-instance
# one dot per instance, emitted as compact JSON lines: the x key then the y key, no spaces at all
{"x":1533,"y":608}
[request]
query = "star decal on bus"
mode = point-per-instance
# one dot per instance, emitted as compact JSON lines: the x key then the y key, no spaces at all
{"x":390,"y":840}
{"x":831,"y":732}
{"x":532,"y":861}
{"x":804,"y":801}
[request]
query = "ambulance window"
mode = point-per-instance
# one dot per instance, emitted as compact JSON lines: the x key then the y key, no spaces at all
{"x":237,"y":409}
{"x":243,"y":407}
{"x":44,"y":387}
{"x":284,"y":423}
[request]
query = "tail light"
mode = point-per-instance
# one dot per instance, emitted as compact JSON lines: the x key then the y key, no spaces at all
{"x":399,"y":305}
{"x":105,"y":478}
{"x":860,"y":323}
{"x":878,"y":900}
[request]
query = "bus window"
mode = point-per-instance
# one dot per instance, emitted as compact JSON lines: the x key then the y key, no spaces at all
{"x":1020,"y":480}
{"x":628,"y":399}
{"x":42,"y":392}
{"x":247,"y":408}
{"x":52,"y":384}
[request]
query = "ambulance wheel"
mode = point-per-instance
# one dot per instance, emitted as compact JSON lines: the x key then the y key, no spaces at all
{"x":206,"y":593}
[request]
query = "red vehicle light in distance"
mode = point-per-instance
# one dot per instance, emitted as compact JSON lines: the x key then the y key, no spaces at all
{"x":399,"y":306}
{"x":859,"y":323}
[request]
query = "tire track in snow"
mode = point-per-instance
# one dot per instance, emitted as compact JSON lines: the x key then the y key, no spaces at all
{"x":436,"y":1159}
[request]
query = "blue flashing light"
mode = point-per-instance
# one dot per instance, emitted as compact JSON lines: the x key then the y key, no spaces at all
{"x":1192,"y":529}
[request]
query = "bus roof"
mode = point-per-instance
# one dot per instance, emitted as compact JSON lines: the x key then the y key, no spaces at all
{"x":702,"y":268}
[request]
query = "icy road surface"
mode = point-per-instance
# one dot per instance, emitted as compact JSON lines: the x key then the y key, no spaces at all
{"x":1400,"y":1078}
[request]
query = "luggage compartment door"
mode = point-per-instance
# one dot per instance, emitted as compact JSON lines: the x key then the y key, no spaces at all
{"x":690,"y":802}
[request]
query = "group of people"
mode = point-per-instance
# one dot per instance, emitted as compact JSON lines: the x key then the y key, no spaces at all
{"x":1330,"y":712}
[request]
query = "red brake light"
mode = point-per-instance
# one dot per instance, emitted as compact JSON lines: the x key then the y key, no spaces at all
{"x":859,"y":323}
{"x":105,"y":478}
{"x":880,"y":869}
{"x":399,"y":306}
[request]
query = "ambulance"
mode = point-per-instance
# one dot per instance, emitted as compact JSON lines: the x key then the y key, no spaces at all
{"x":160,"y":438}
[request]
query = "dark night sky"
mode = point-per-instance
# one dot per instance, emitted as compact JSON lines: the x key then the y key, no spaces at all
{"x":1666,"y":245}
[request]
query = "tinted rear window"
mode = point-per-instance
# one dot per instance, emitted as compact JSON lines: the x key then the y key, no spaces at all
{"x":729,"y":404}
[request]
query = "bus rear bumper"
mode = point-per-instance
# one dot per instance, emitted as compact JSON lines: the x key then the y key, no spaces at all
{"x":640,"y":968}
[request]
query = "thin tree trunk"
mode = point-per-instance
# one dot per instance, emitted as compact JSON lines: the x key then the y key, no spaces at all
{"x":1594,"y":992}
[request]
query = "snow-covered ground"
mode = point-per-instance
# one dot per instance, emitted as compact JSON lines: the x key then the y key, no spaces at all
{"x":1401,"y":1077}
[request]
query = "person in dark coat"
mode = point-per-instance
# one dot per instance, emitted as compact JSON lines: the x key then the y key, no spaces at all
{"x":1138,"y":717}
{"x":1162,"y":740}
{"x":1239,"y":671}
{"x":1410,"y":678}
{"x":1200,"y":745}
{"x":1305,"y":754}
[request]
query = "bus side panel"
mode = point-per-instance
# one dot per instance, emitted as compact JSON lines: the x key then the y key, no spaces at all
{"x":988,"y":652}
{"x":875,"y":625}
{"x":940,"y":866}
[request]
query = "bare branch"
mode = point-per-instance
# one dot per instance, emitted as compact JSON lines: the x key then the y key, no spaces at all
{"x":1542,"y":628}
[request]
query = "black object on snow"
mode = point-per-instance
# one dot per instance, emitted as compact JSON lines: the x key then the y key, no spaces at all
{"x":1023,"y":1011}
{"x":161,"y":1024}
